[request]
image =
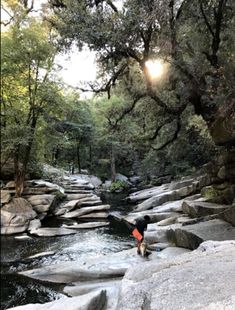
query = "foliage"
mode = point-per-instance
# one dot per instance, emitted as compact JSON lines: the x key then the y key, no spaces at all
{"x":118,"y":186}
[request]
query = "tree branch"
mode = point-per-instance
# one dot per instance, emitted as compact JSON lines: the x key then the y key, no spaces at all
{"x":205,"y":19}
{"x":173,"y":138}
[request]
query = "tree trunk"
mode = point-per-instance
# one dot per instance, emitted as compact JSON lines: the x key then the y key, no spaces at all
{"x":113,"y":166}
{"x":20,"y":170}
{"x":78,"y":156}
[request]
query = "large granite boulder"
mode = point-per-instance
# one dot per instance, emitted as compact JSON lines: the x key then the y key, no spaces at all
{"x":16,"y":215}
{"x":202,"y":279}
{"x":191,"y":236}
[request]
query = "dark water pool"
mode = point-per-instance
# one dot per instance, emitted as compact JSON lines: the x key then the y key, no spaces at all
{"x":18,"y":290}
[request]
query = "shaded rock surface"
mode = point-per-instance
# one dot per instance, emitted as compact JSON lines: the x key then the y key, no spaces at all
{"x":201,"y":208}
{"x":191,"y":236}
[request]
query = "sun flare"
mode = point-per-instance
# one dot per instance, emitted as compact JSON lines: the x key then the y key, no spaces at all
{"x":155,"y":68}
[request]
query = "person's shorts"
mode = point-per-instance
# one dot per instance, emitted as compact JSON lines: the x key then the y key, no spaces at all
{"x":137,"y":234}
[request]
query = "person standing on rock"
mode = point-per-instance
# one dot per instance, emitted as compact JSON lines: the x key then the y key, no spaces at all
{"x":138,"y":232}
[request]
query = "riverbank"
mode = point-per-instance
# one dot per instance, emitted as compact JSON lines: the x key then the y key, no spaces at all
{"x":181,"y":220}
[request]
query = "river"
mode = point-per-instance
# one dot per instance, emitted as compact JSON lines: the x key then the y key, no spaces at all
{"x":19,"y":290}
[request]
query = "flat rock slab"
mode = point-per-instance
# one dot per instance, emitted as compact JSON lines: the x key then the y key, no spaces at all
{"x":78,"y":196}
{"x":93,"y":301}
{"x":155,"y":216}
{"x":191,"y":236}
{"x":147,"y":193}
{"x":203,"y":279}
{"x":170,"y":195}
{"x":87,"y":225}
{"x":52,"y":231}
{"x":85,"y":210}
{"x":103,"y":267}
{"x":95,"y":215}
{"x":42,"y":184}
{"x":202,"y":208}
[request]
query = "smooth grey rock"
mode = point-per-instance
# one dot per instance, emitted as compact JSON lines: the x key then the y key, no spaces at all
{"x":111,"y":288}
{"x":154,"y":216}
{"x":11,"y":230}
{"x":167,"y":196}
{"x":91,"y":301}
{"x":34,"y":224}
{"x":173,"y":206}
{"x":87,"y":225}
{"x":157,"y":233}
{"x":5,"y":196}
{"x":112,"y":265}
{"x":122,"y":177}
{"x":42,"y":184}
{"x":229,"y":215}
{"x":147,"y":193}
{"x":85,"y":210}
{"x":78,"y":196}
{"x":106,"y":184}
{"x":157,"y":200}
{"x":95,"y":215}
{"x":15,"y":216}
{"x":196,"y":280}
{"x":52,"y":231}
{"x":191,"y":236}
{"x":10,"y":185}
{"x":172,"y":252}
{"x":93,"y":200}
{"x":201,"y":208}
{"x":36,"y":200}
{"x":20,"y":206}
{"x":41,"y":208}
{"x":168,"y":221}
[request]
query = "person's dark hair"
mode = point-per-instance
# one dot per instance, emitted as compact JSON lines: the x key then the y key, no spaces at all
{"x":147,"y":218}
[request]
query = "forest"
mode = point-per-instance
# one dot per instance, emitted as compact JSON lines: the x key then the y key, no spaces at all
{"x":158,"y":126}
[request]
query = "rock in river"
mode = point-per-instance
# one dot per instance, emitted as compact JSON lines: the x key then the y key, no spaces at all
{"x":91,"y":301}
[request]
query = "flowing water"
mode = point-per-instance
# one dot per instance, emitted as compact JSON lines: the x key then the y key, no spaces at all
{"x":19,"y":290}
